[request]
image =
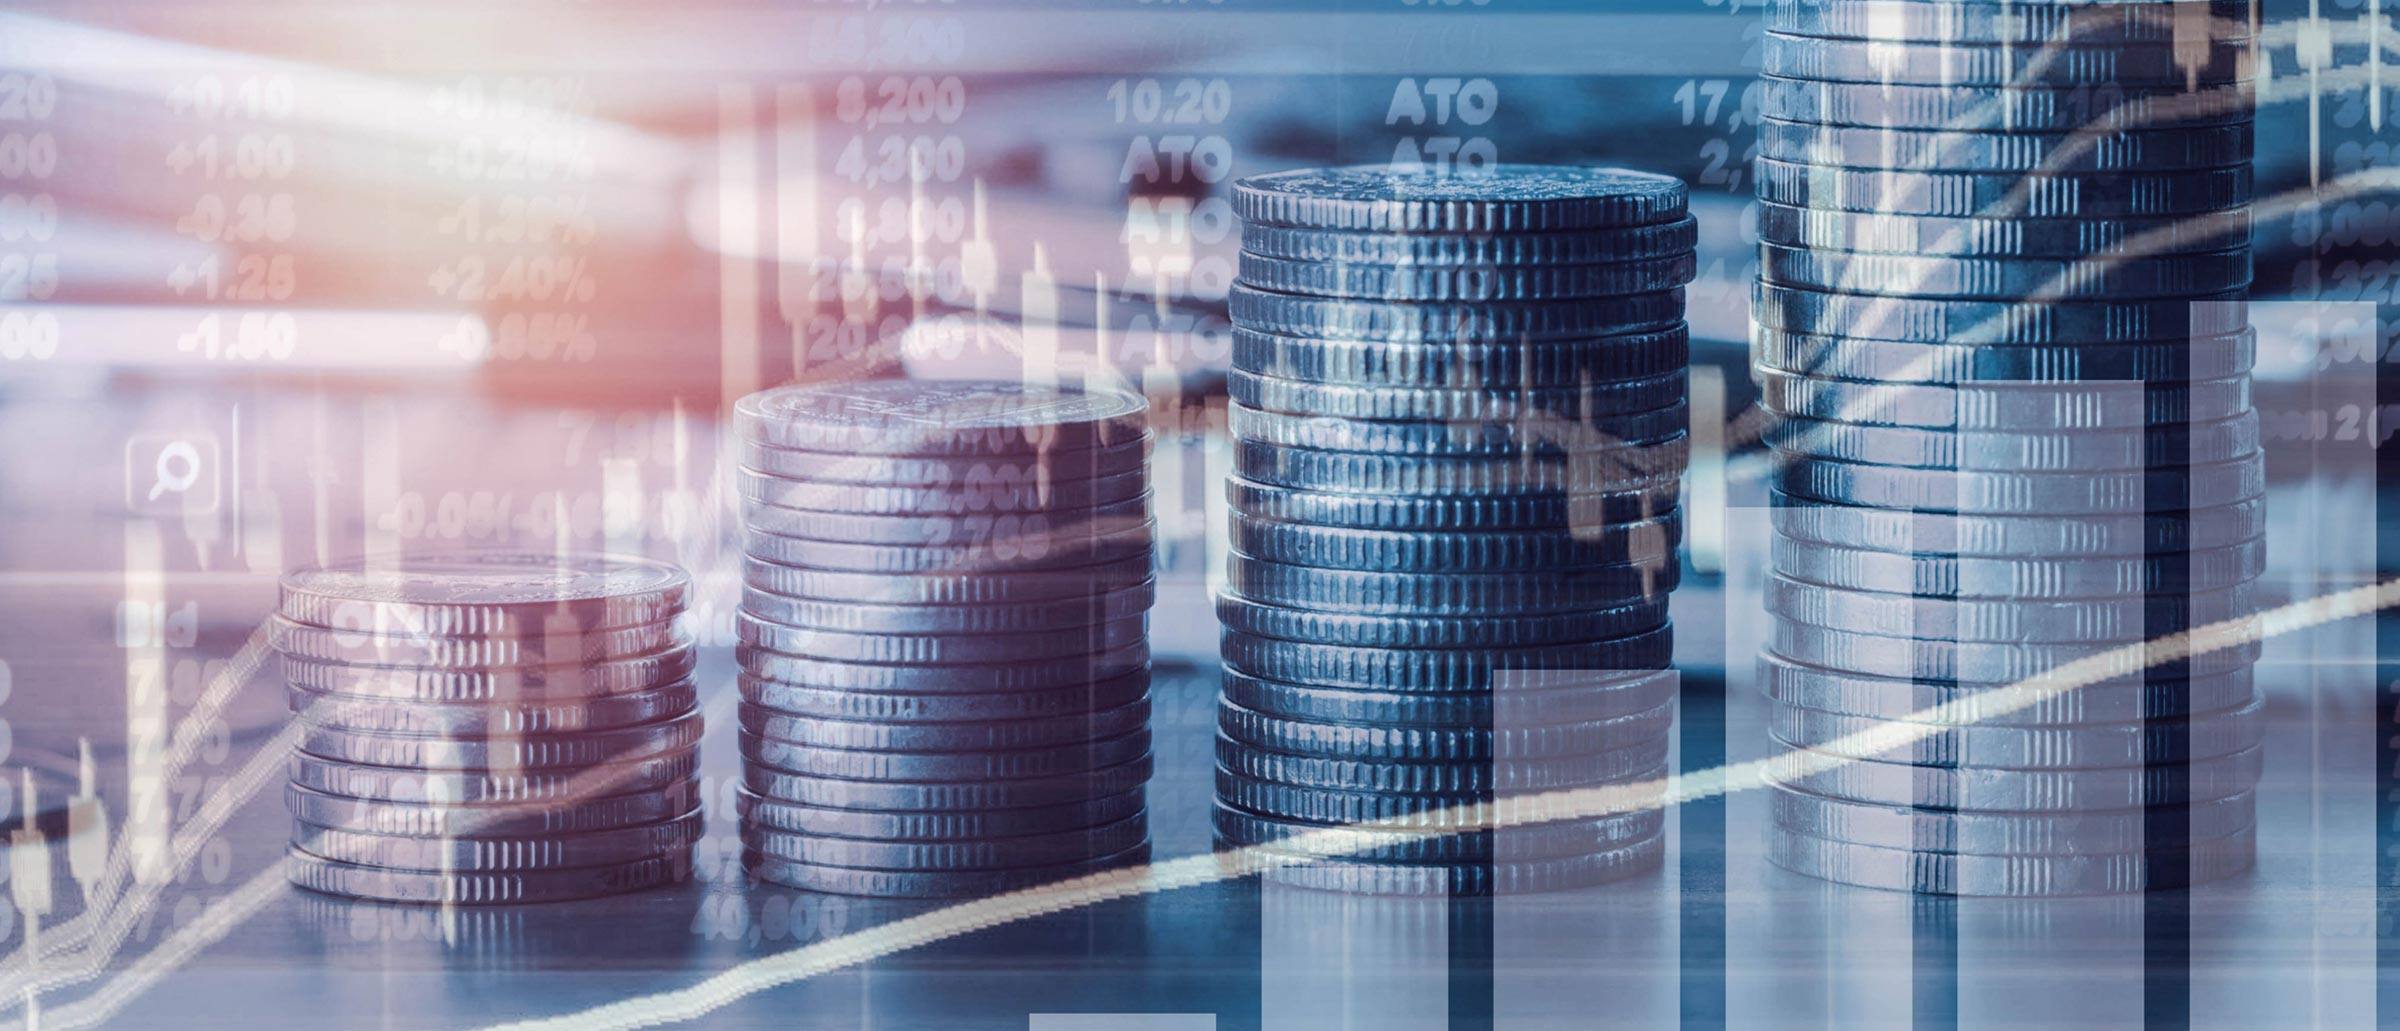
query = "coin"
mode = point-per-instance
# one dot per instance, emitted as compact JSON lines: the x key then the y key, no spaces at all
{"x":1641,"y":791}
{"x":2034,"y":22}
{"x":1075,"y":548}
{"x":905,"y":796}
{"x":1465,"y":282}
{"x":950,"y":707}
{"x":483,"y":593}
{"x":1837,"y":357}
{"x":873,"y":735}
{"x":1874,"y":61}
{"x":2002,"y":195}
{"x":1547,"y":436}
{"x":1980,"y":662}
{"x":1439,"y":744}
{"x":2088,"y":240}
{"x":759,"y":490}
{"x":1334,"y":547}
{"x":1015,"y":617}
{"x":491,"y":819}
{"x":759,"y":811}
{"x":1900,"y":827}
{"x":2058,"y":153}
{"x":843,"y":880}
{"x":937,"y":589}
{"x":2021,"y":620}
{"x":1927,"y":574}
{"x":373,"y":715}
{"x":2123,"y":699}
{"x":1513,"y":702}
{"x":504,"y":752}
{"x":1506,"y":512}
{"x":1435,"y":777}
{"x":2113,"y":107}
{"x":2003,"y":278}
{"x":938,"y":649}
{"x":2096,"y":452}
{"x":1433,"y":669}
{"x":1962,"y":787}
{"x":944,"y":767}
{"x":1242,"y":829}
{"x":333,"y":777}
{"x":358,"y":647}
{"x":1453,"y":322}
{"x":957,"y":472}
{"x":1999,"y":322}
{"x":943,"y":417}
{"x":2197,"y":529}
{"x":2017,"y":407}
{"x":366,"y":882}
{"x":1029,"y":675}
{"x":501,"y":855}
{"x":1374,"y":593}
{"x":1527,"y":366}
{"x":1938,"y":873}
{"x":2203,"y":735}
{"x":1582,"y":472}
{"x":1981,"y":492}
{"x":1499,"y":198}
{"x":1474,"y":249}
{"x":1450,"y":880}
{"x":950,"y":530}
{"x":516,"y":683}
{"x":1294,"y":624}
{"x":1066,"y":846}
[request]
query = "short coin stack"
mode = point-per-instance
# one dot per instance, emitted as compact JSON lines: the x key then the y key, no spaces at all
{"x":945,"y":667}
{"x":490,"y":727}
{"x":2003,"y":249}
{"x":1459,"y":427}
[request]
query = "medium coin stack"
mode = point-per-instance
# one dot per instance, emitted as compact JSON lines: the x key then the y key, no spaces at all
{"x":490,"y":727}
{"x":2003,"y":249}
{"x":945,"y":668}
{"x":1459,"y":432}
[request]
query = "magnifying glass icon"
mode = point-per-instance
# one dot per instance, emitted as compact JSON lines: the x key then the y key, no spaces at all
{"x":178,"y":468}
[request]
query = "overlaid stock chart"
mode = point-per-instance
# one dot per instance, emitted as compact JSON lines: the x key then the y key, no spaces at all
{"x":1161,"y":515}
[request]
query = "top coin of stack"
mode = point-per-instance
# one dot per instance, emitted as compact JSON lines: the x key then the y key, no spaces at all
{"x":1459,"y":432}
{"x":490,"y":727}
{"x":2003,"y":246}
{"x":945,"y":668}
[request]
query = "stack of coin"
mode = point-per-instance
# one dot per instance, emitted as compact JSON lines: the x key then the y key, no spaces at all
{"x":490,"y":727}
{"x":1459,"y":434}
{"x":945,"y":670}
{"x":2003,"y":250}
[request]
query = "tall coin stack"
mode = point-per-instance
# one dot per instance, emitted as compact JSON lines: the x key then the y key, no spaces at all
{"x":490,"y":727}
{"x":2003,"y":251}
{"x":1459,"y":434}
{"x":945,"y":668}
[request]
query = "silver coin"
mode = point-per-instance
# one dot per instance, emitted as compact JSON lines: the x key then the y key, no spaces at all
{"x":1581,"y":472}
{"x":1497,"y":403}
{"x":1936,"y":575}
{"x":1911,"y":275}
{"x":1067,"y":846}
{"x":1549,"y":436}
{"x":1476,"y":249}
{"x":446,"y":787}
{"x":2057,"y":537}
{"x":1015,"y":617}
{"x":1516,"y":702}
{"x":2019,"y":620}
{"x":1465,"y":282}
{"x":1378,"y":743}
{"x":365,"y":882}
{"x":319,"y":644}
{"x":2111,"y":107}
{"x":484,"y":593}
{"x":1453,"y":880}
{"x":1452,"y":322}
{"x":373,"y":715}
{"x":501,"y":855}
{"x":504,"y":752}
{"x":935,"y":589}
{"x":1420,"y":778}
{"x":973,"y":797}
{"x":1077,"y":548}
{"x":1235,"y":612}
{"x":1373,"y":593}
{"x":948,"y":531}
{"x":1978,"y":492}
{"x":2003,"y":790}
{"x":491,"y":819}
{"x":971,"y":473}
{"x":2014,"y":407}
{"x":759,"y":490}
{"x":2095,"y":452}
{"x":2096,"y":241}
{"x":944,"y":767}
{"x":1510,"y":512}
{"x":1002,"y":735}
{"x":1893,"y":191}
{"x":939,"y":649}
{"x":2020,"y":834}
{"x":1973,"y":64}
{"x":943,"y":417}
{"x":1835,"y":357}
{"x":518,"y":683}
{"x":758,"y":811}
{"x":1527,"y":365}
{"x":2034,"y":22}
{"x":1503,"y":198}
{"x":1334,"y":547}
{"x":2119,"y":700}
{"x":2206,"y":735}
{"x":1242,"y":829}
{"x":1642,"y":791}
{"x":1030,"y":675}
{"x":1434,"y":669}
{"x":1940,"y":873}
{"x":2062,"y":153}
{"x":929,"y":884}
{"x":1971,"y":661}
{"x":951,"y":707}
{"x":1998,"y":322}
